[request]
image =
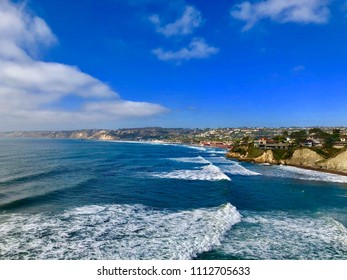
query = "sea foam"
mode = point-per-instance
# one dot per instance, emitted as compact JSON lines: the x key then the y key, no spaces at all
{"x":277,"y":235}
{"x":198,"y":159}
{"x":208,"y":172}
{"x":115,"y":232}
{"x":237,"y":169}
{"x":305,"y":174}
{"x":232,"y":167}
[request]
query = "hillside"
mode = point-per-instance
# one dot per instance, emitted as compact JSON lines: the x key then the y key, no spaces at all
{"x":300,"y":157}
{"x":133,"y":134}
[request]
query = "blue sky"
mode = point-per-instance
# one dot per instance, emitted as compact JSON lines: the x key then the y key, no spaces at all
{"x":116,"y":63}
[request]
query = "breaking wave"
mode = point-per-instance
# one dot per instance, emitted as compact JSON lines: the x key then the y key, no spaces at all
{"x":198,"y":159}
{"x":280,"y":236}
{"x":208,"y":172}
{"x":115,"y":232}
{"x":305,"y":174}
{"x":237,"y":169}
{"x":232,"y":167}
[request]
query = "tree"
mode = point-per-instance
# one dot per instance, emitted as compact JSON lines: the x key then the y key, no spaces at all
{"x":336,"y":134}
{"x":299,"y":136}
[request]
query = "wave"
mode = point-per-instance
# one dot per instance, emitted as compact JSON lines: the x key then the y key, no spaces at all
{"x":30,"y":176}
{"x":193,"y":147}
{"x":115,"y":232}
{"x":232,"y":167}
{"x":208,"y":173}
{"x":237,"y":169}
{"x":305,"y":174}
{"x":280,"y":236}
{"x":198,"y":159}
{"x":221,"y":160}
{"x":34,"y":192}
{"x":217,"y":151}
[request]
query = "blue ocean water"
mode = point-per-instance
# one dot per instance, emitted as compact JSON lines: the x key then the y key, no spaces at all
{"x":75,"y":199}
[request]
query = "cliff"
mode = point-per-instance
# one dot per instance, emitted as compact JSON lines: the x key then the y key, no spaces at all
{"x":131,"y":134}
{"x":266,"y":157}
{"x":338,"y":163}
{"x":305,"y":158}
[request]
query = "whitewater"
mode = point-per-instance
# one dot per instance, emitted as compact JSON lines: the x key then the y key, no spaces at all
{"x":73,"y":199}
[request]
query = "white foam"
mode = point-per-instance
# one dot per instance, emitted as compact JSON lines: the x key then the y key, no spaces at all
{"x":194,"y":147}
{"x":232,"y":167}
{"x":217,"y":151}
{"x":237,"y":169}
{"x":280,"y":236}
{"x":115,"y":232}
{"x":207,"y":173}
{"x":198,"y":159}
{"x":221,"y":160}
{"x":305,"y":174}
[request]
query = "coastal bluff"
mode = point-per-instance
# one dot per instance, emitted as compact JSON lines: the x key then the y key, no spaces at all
{"x":301,"y":157}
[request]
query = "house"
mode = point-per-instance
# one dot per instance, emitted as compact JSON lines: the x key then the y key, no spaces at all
{"x":311,"y":142}
{"x":270,"y":144}
{"x":308,"y":143}
{"x":263,"y":141}
{"x":342,"y":143}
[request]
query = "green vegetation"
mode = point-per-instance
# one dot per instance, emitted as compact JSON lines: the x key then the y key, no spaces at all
{"x":328,"y":152}
{"x":254,"y":152}
{"x":299,"y":136}
{"x":283,"y":154}
{"x":279,"y":139}
{"x":239,"y":149}
{"x":327,"y":138}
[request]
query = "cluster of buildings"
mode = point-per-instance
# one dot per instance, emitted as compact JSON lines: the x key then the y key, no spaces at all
{"x":265,"y":143}
{"x":217,"y":144}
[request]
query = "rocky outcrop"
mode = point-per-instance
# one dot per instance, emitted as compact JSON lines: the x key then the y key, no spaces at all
{"x":338,"y":163}
{"x":266,"y":157}
{"x":305,"y":158}
{"x":78,"y":135}
{"x":234,"y":155}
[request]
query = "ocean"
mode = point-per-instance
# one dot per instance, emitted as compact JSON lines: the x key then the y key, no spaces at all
{"x":78,"y":199}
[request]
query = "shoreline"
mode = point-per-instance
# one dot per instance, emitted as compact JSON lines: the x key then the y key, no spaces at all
{"x":297,"y":166}
{"x":241,"y":160}
{"x":196,"y":146}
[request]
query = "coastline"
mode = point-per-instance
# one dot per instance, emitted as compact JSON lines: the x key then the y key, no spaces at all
{"x":199,"y":146}
{"x":297,"y":166}
{"x":238,"y":159}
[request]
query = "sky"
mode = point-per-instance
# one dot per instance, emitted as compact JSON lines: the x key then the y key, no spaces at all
{"x":199,"y":63}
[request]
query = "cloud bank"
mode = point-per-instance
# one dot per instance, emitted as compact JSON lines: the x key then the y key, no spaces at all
{"x":298,"y":11}
{"x":31,"y":89}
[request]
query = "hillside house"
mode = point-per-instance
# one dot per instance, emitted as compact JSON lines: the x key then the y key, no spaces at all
{"x":270,"y":144}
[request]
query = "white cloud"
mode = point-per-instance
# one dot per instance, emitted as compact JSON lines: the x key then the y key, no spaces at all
{"x":196,"y":49}
{"x":190,"y":19}
{"x":30,"y":88}
{"x":299,"y":11}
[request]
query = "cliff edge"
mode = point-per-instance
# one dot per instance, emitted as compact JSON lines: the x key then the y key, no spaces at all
{"x":301,"y":157}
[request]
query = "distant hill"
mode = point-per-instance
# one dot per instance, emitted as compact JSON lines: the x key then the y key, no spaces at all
{"x":131,"y":134}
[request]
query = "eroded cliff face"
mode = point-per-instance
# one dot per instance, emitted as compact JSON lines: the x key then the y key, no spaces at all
{"x":305,"y":158}
{"x":234,"y":155}
{"x":338,"y":163}
{"x":79,"y":135}
{"x":266,"y":157}
{"x":301,"y":158}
